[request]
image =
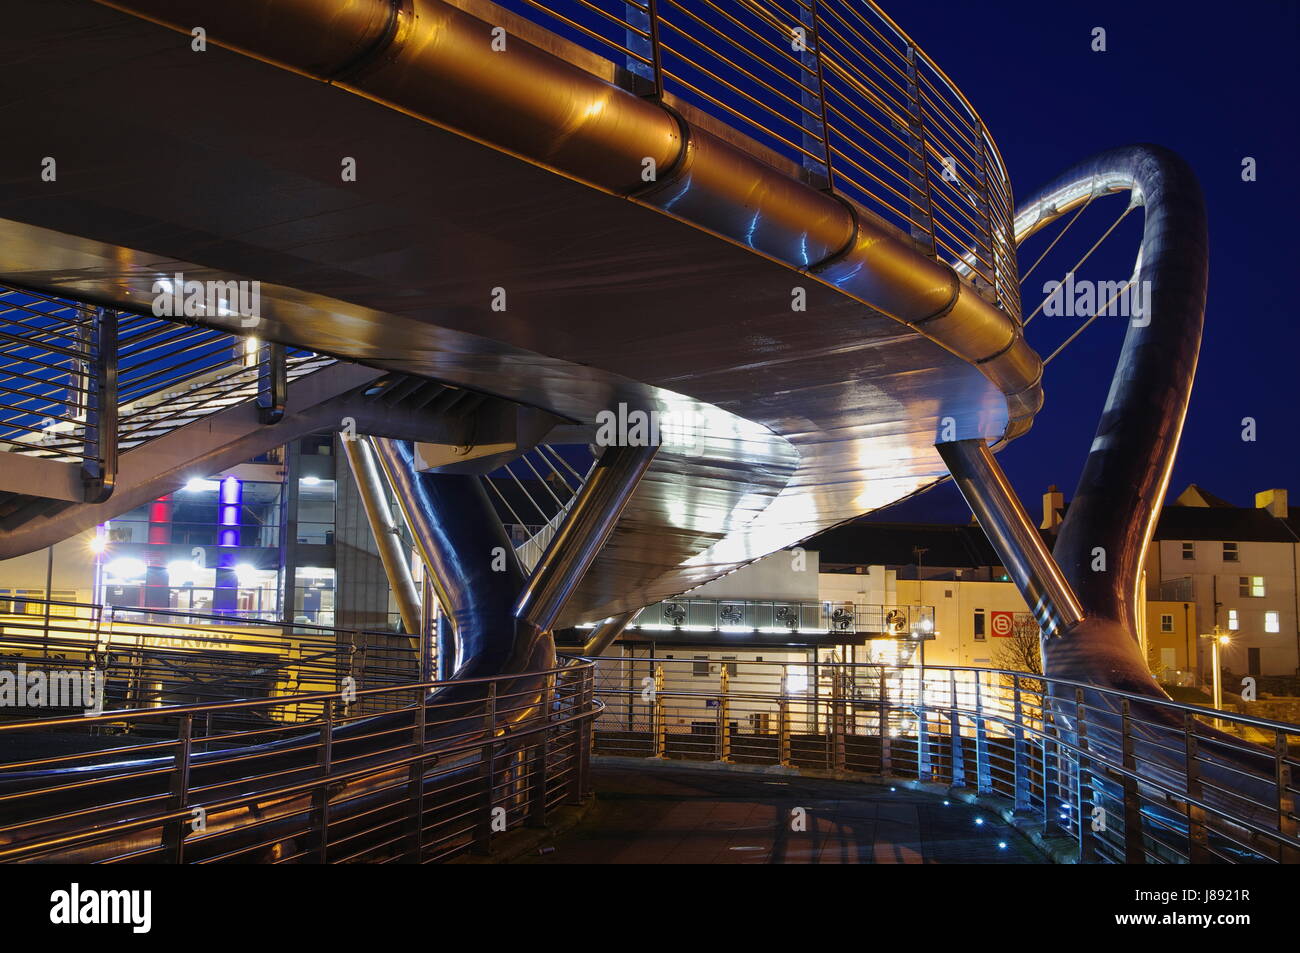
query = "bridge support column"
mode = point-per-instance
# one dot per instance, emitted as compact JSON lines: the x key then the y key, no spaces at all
{"x":471,"y":564}
{"x":604,"y":634}
{"x":583,"y":533}
{"x":1012,"y":534}
{"x":383,"y":527}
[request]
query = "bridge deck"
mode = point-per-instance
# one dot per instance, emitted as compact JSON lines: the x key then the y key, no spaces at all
{"x":675,"y":815}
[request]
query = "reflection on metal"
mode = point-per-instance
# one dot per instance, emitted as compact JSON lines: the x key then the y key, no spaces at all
{"x":1012,"y":534}
{"x":434,"y":65}
{"x":591,"y":518}
{"x":605,"y":633}
{"x":272,"y":382}
{"x":471,"y":564}
{"x":1117,"y":501}
{"x":384,"y":529}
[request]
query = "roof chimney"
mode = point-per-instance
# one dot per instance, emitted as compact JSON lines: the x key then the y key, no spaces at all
{"x":1053,"y":507}
{"x":1272,"y":500}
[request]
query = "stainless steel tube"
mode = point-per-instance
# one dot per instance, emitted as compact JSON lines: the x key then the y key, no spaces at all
{"x":1012,"y":534}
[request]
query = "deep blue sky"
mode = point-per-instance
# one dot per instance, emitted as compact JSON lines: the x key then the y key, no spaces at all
{"x":1215,"y":83}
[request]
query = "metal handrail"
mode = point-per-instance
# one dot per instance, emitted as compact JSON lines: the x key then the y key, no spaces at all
{"x":1126,"y":777}
{"x":822,"y":85}
{"x":426,"y":779}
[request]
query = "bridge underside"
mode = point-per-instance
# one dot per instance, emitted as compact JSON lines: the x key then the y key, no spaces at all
{"x":220,"y":166}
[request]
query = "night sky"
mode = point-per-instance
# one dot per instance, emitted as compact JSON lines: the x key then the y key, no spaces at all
{"x":1214,"y":83}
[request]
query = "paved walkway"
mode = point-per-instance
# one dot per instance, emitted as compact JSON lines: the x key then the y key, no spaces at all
{"x":665,"y":814}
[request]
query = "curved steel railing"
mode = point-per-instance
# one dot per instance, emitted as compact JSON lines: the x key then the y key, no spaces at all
{"x":833,"y":87}
{"x":1128,"y":778}
{"x":424,"y":781}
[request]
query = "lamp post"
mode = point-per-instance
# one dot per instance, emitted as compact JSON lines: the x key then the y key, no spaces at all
{"x":1217,"y":639}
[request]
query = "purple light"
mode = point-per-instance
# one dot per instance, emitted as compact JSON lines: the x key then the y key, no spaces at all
{"x":232,"y":492}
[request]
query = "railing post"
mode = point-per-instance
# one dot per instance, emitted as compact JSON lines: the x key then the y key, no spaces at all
{"x":1134,"y":850}
{"x":1050,"y":744}
{"x":174,"y":836}
{"x":983,"y":773}
{"x":541,"y":756}
{"x":919,"y":165}
{"x":1083,"y":781}
{"x":724,"y":710}
{"x":783,"y":728}
{"x":1286,"y":824}
{"x":99,"y":467}
{"x":958,"y":754}
{"x":886,"y":756}
{"x":488,"y":773}
{"x":924,"y":763}
{"x":272,"y":383}
{"x":660,"y":729}
{"x":837,"y":720}
{"x":582,"y":737}
{"x":1198,"y":851}
{"x":415,"y":786}
{"x":1020,"y":751}
{"x":321,"y":796}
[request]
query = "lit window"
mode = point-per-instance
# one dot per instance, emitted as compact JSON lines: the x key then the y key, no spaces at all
{"x":1252,"y":586}
{"x":1233,"y":622}
{"x":1189,"y":550}
{"x":1229,"y":552}
{"x":1272,"y":622}
{"x":1166,"y":623}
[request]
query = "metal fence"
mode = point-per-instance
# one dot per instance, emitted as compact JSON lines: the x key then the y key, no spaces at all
{"x":149,"y":658}
{"x":418,"y":783}
{"x":1128,"y":779}
{"x":82,"y":383}
{"x":833,"y":87}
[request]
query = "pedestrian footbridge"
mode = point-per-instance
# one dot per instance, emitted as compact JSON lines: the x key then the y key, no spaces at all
{"x":462,"y":234}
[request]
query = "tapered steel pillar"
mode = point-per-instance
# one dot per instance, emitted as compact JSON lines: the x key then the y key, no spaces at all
{"x":382,"y":526}
{"x":605,"y":633}
{"x":472,"y":566}
{"x":590,"y":520}
{"x":1012,"y":534}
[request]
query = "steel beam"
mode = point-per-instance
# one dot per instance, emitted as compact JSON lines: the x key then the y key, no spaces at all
{"x":272,"y":383}
{"x":384,"y":528}
{"x":605,"y":633}
{"x":472,"y":566}
{"x":585,"y":529}
{"x":99,"y":468}
{"x":1012,"y":534}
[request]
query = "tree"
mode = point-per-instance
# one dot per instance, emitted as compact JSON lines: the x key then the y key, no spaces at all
{"x":1020,"y":652}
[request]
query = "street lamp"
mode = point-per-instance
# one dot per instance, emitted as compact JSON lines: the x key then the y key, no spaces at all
{"x":1217,"y":639}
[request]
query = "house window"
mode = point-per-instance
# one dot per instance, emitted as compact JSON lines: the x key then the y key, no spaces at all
{"x":1230,"y":552}
{"x":1272,"y":622}
{"x":979,"y":625}
{"x":1166,"y":623}
{"x":1252,"y":586}
{"x":1189,"y":550}
{"x":1234,"y":623}
{"x":701,"y":665}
